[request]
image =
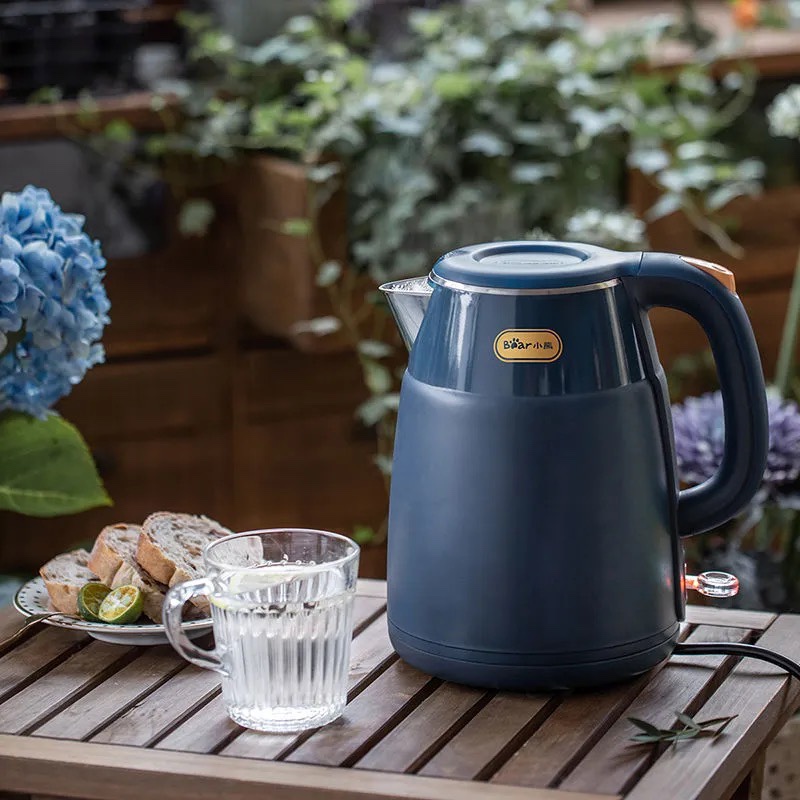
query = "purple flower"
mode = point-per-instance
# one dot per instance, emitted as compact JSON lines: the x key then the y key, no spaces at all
{"x":700,"y":439}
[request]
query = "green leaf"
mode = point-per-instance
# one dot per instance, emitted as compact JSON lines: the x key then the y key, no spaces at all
{"x":363,"y":534}
{"x":320,"y":326}
{"x":384,"y":464}
{"x":648,"y":161}
{"x":647,"y":738}
{"x":373,"y":410}
{"x":724,"y":725}
{"x":46,"y":95}
{"x":87,"y":107}
{"x":328,"y":273}
{"x":45,"y":468}
{"x":665,"y":205}
{"x":724,"y":194}
{"x":195,"y":217}
{"x":647,"y":727}
{"x":320,"y":173}
{"x":687,"y":721}
{"x":487,"y":143}
{"x":533,"y":173}
{"x":377,"y":377}
{"x":342,"y":10}
{"x":372,"y":348}
{"x":119,"y":130}
{"x":454,"y":85}
{"x":296,"y":227}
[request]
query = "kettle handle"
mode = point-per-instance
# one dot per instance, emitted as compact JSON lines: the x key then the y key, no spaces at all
{"x":707,"y":292}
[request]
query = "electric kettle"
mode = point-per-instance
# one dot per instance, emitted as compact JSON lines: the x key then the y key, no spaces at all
{"x":536,"y":522}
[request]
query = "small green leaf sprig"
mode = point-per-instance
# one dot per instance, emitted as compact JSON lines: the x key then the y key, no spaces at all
{"x":685,"y":728}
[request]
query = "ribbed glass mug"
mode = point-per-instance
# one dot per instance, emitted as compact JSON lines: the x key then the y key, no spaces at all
{"x":282,"y":605}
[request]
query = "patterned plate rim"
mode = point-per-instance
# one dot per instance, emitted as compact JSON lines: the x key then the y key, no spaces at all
{"x":28,"y":606}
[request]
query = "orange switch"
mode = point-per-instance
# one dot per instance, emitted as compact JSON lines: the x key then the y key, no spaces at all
{"x":723,"y":275}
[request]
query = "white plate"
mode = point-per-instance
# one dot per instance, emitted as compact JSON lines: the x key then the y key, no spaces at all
{"x":32,"y":598}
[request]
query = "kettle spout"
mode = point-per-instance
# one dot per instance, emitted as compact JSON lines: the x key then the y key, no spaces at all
{"x":408,"y":300}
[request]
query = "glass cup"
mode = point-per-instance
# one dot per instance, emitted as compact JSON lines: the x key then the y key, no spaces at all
{"x":282,"y":606}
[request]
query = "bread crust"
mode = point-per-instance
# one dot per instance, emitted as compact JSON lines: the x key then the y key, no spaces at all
{"x":64,"y":595}
{"x":104,"y":560}
{"x":150,"y":557}
{"x":158,"y":563}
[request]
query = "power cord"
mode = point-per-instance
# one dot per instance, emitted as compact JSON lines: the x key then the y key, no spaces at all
{"x":734,"y":649}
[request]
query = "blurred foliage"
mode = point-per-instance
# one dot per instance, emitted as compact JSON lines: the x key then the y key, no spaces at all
{"x":502,"y":118}
{"x":500,"y":121}
{"x":691,"y":375}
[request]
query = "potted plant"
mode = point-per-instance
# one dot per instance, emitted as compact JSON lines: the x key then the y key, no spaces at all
{"x":53,"y":309}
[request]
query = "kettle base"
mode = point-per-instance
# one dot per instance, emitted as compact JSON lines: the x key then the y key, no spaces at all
{"x":530,"y":677}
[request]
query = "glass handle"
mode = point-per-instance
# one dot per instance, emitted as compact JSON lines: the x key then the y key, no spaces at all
{"x":714,"y":584}
{"x":176,"y":598}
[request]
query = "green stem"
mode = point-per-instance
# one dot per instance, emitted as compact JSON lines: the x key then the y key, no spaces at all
{"x":786,"y":354}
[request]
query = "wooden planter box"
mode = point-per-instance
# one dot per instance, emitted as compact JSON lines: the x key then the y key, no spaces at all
{"x":768,"y":230}
{"x":277,"y":269}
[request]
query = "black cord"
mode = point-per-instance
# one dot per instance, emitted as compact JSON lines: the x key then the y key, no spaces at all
{"x":734,"y":649}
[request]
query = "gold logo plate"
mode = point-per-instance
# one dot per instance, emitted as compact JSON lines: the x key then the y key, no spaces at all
{"x":528,"y":344}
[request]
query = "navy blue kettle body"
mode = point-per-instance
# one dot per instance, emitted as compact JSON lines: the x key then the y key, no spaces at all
{"x":535,"y":517}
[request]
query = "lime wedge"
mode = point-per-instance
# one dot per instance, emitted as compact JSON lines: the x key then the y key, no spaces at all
{"x":90,"y":597}
{"x":122,"y":606}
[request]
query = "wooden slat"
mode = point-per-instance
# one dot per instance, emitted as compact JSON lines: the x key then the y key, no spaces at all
{"x":491,"y":737}
{"x":684,"y":685}
{"x":366,"y":719}
{"x":567,"y":735}
{"x":159,"y":712}
{"x":369,"y":587}
{"x":424,"y":731}
{"x":114,"y":696}
{"x":761,"y":695}
{"x":98,"y":772}
{"x":205,"y":731}
{"x":209,"y":728}
{"x":369,"y":651}
{"x":263,"y":746}
{"x":366,"y":609}
{"x":57,"y":687}
{"x":25,"y":662}
{"x":10,"y":623}
{"x":730,"y":618}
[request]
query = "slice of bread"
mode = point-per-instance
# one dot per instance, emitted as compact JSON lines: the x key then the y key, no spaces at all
{"x":64,"y":576}
{"x":171,"y":547}
{"x":115,"y":546}
{"x":131,"y":574}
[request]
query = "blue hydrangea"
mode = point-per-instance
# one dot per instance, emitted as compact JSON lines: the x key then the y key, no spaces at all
{"x":699,"y":428}
{"x":53,"y":305}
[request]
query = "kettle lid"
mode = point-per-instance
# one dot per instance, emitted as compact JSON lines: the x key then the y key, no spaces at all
{"x":534,"y":265}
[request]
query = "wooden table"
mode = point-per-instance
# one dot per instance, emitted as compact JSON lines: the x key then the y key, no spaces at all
{"x":79,"y":718}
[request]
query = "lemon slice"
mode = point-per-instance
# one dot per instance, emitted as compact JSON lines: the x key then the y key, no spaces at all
{"x":90,"y":598}
{"x":255,"y":579}
{"x":122,"y":606}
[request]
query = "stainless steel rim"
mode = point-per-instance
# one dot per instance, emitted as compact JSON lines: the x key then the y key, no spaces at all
{"x":468,"y":287}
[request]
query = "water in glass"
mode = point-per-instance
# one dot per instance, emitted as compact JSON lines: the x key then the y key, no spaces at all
{"x":284,"y":641}
{"x":282,"y":605}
